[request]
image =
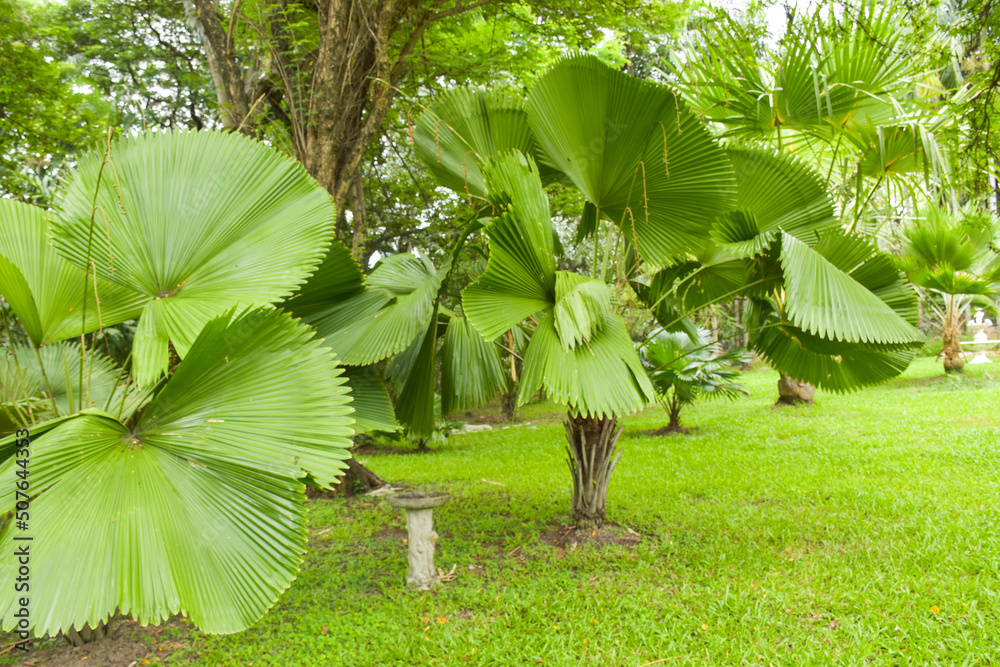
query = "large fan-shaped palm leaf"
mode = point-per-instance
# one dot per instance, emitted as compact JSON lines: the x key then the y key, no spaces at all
{"x":195,"y":222}
{"x":52,"y":298}
{"x":466,"y":126}
{"x":952,"y":255}
{"x":200,"y":496}
{"x":855,"y":327}
{"x":634,"y":151}
{"x":822,"y":79}
{"x":49,"y":379}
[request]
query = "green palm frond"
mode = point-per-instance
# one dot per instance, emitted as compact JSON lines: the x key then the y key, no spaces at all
{"x":463,"y":128}
{"x":598,"y":379}
{"x":203,"y":499}
{"x":195,"y":222}
{"x":370,"y":399}
{"x":337,"y":278}
{"x":520,"y":277}
{"x":835,"y":366}
{"x":472,"y":372}
{"x":691,"y":366}
{"x":580,"y":305}
{"x":822,"y":79}
{"x":415,"y":401}
{"x":49,"y":295}
{"x":781,"y":193}
{"x":56,"y":367}
{"x":888,"y":150}
{"x":952,"y":255}
{"x":828,"y":302}
{"x":634,"y":151}
{"x":385,"y":317}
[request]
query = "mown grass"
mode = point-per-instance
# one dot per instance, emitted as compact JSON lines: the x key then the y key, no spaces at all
{"x":860,"y":530}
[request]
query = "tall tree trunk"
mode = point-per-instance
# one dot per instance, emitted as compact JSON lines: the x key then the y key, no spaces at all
{"x":592,"y":459}
{"x":230,"y":89}
{"x":358,"y":214}
{"x":951,"y":334}
{"x":791,"y":392}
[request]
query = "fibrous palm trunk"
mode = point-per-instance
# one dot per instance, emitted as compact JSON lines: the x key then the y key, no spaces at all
{"x":592,"y":458}
{"x":792,"y":392}
{"x":951,"y":334}
{"x":87,"y":634}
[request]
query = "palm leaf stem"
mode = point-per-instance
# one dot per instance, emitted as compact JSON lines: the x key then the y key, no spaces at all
{"x":833,"y":160}
{"x":45,"y":376}
{"x":118,"y":380}
{"x":17,"y":365}
{"x":858,"y":209}
{"x":721,"y":297}
{"x":86,"y":269}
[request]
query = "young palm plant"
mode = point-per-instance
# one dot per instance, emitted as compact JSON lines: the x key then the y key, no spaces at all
{"x":190,"y":464}
{"x":955,"y":258}
{"x":684,"y":367}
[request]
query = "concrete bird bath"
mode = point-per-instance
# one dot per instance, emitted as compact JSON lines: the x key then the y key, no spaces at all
{"x":420,"y":528}
{"x":978,"y":326}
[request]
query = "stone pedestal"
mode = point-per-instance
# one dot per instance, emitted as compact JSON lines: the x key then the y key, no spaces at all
{"x":419,"y":507}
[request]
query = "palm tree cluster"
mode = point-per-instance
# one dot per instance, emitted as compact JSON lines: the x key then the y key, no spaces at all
{"x":260,"y":347}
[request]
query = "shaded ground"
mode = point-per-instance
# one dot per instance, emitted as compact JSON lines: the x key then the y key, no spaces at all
{"x":571,"y":537}
{"x":130,"y":646}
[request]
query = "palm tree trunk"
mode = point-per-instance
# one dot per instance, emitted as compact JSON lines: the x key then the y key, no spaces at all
{"x":951,"y":334}
{"x":592,"y":459}
{"x":792,"y":392}
{"x":675,"y":416}
{"x":87,"y":634}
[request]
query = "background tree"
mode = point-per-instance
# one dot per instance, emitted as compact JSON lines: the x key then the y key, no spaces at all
{"x":44,"y":121}
{"x":955,"y":257}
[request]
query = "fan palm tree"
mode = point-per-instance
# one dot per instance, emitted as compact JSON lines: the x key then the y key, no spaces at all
{"x":189,"y":474}
{"x":656,"y":181}
{"x":956,"y":258}
{"x":825,"y":307}
{"x":684,"y":368}
{"x":838,"y":92}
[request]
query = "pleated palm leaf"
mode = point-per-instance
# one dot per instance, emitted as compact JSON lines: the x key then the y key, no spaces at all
{"x":838,"y":92}
{"x":826,"y":307}
{"x":641,"y":160}
{"x":194,"y":222}
{"x":827,"y":74}
{"x":395,"y":314}
{"x":51,"y":297}
{"x":194,"y":485}
{"x":955,"y":258}
{"x":195,"y":502}
{"x":684,"y":367}
{"x":45,"y":384}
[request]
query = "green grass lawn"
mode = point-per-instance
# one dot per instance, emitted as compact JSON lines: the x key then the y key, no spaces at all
{"x":860,"y":530}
